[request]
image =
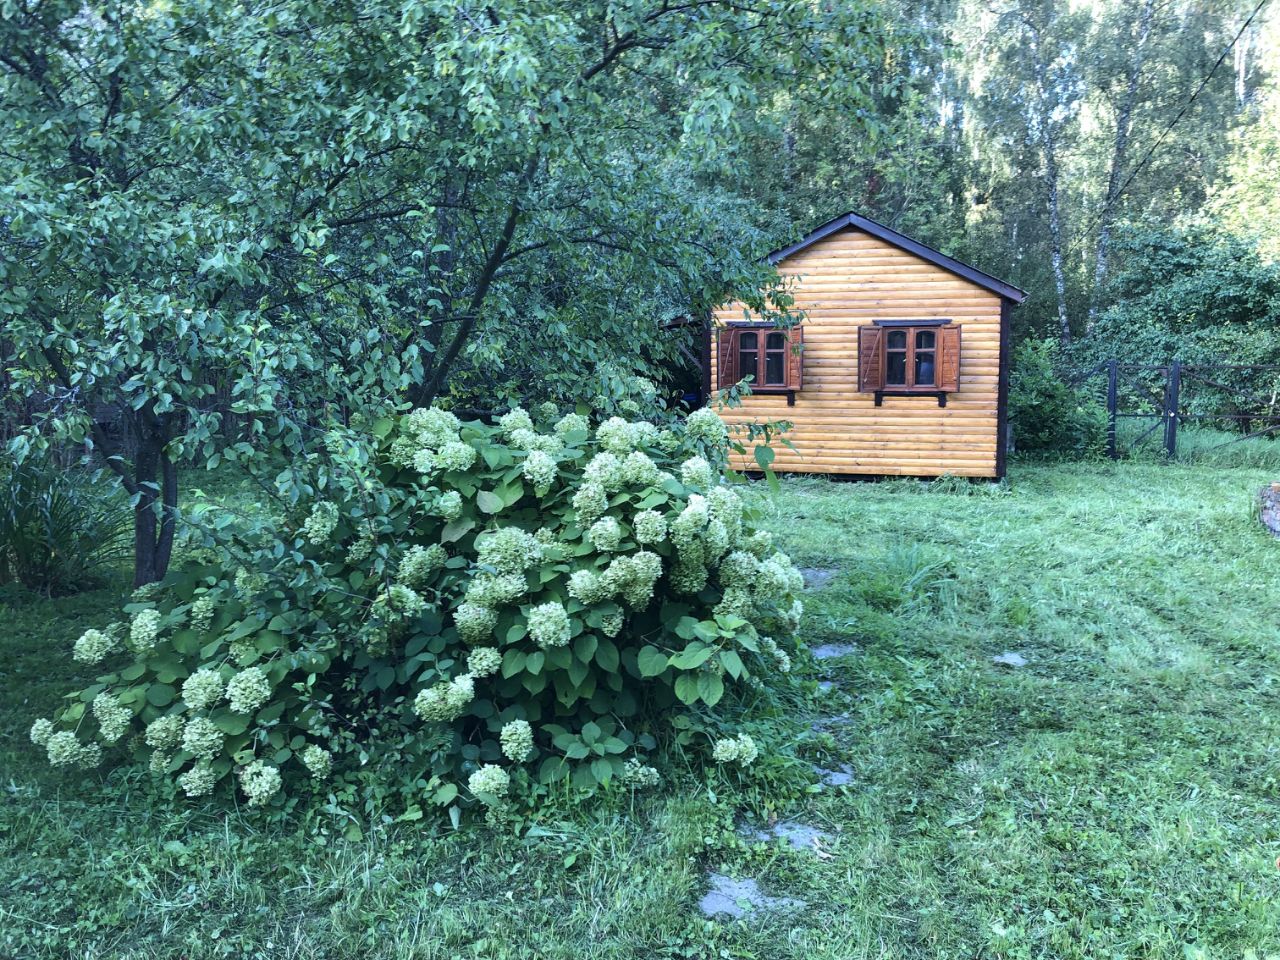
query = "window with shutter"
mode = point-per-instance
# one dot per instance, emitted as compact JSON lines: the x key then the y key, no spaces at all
{"x":772,"y":358}
{"x":902,"y":358}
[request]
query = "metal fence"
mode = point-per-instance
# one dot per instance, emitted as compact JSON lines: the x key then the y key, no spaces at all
{"x":1238,"y":398}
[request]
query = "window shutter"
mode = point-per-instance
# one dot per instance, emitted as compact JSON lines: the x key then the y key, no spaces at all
{"x":727,"y":360}
{"x":795,"y":358}
{"x":870,"y":359}
{"x":949,"y":358}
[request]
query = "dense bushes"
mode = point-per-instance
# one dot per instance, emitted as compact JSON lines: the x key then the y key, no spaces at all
{"x":1048,"y":415}
{"x":466,"y":609}
{"x":58,"y":529}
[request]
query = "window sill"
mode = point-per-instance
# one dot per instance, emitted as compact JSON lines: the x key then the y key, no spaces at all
{"x":776,"y":391}
{"x":941,"y":395}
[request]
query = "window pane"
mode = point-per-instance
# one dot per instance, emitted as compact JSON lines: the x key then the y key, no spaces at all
{"x":897,"y":340}
{"x":775,"y":365}
{"x":749,"y":341}
{"x":747,"y":364}
{"x":924,"y":368}
{"x":775,"y":341}
{"x":895,"y":373}
{"x":925,"y":340}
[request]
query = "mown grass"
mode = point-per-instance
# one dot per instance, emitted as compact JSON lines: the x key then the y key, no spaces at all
{"x":1115,"y":797}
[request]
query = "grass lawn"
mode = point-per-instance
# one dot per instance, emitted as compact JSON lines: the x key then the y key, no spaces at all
{"x":1116,"y":796}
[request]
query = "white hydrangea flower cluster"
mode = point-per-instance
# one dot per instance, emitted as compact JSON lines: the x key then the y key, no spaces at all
{"x":635,"y":774}
{"x":616,"y":435}
{"x":475,"y":622}
{"x":633,"y":577}
{"x":517,"y":418}
{"x":508,"y":550}
{"x":66,"y":751}
{"x":198,"y":781}
{"x":740,"y":750}
{"x":321,"y":523}
{"x":93,"y":646}
{"x":317,"y":760}
{"x":572,"y":423}
{"x":696,"y":472}
{"x":605,"y":534}
{"x":605,"y":471}
{"x":488,"y":590}
{"x":419,"y":563}
{"x":769,"y":647}
{"x":611,"y":626}
{"x":705,"y":425}
{"x":517,"y":740}
{"x":144,"y":630}
{"x":201,"y":738}
{"x":163,"y":733}
{"x":113,"y":717}
{"x":429,"y":442}
{"x":202,"y":610}
{"x":587,"y":586}
{"x":41,"y":731}
{"x":449,"y":505}
{"x":248,"y":690}
{"x":639,"y":470}
{"x":530,"y":441}
{"x":397,"y":603}
{"x":540,"y":470}
{"x":446,"y":700}
{"x":549,"y":625}
{"x":250,"y":584}
{"x":202,"y":689}
{"x":490,"y":781}
{"x":260,"y":781}
{"x":650,"y":527}
{"x":484,"y":661}
{"x":590,"y":502}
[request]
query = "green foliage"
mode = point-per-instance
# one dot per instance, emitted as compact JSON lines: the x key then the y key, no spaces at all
{"x":496,"y":608}
{"x":59,"y":530}
{"x":1048,"y":415}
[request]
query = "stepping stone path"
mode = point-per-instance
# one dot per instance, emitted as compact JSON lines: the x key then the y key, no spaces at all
{"x":815,"y":578}
{"x":829,"y":651}
{"x":839,"y":777}
{"x":1010,"y":659}
{"x":738,"y":897}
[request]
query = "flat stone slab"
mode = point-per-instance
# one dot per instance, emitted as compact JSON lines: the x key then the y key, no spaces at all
{"x":1270,"y":512}
{"x":1010,"y":659}
{"x":825,"y":724}
{"x":829,"y":651}
{"x":815,"y":578}
{"x":839,"y":776}
{"x":737,"y":898}
{"x":826,"y":686}
{"x":799,"y":836}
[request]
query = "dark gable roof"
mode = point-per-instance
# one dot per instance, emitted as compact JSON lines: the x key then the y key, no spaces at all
{"x":879,"y":230}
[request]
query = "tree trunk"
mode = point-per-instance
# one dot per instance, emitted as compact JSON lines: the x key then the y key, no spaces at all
{"x":1042,"y":125}
{"x":1119,"y":156}
{"x":155,"y":513}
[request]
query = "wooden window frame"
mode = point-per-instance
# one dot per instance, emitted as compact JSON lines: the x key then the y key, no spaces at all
{"x":946,"y":371}
{"x":792,"y":351}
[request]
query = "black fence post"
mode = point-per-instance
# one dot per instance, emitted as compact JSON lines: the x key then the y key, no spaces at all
{"x":1171,"y":409}
{"x":1112,"y":370}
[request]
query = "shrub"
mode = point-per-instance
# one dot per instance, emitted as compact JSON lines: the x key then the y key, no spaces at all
{"x":1049,"y":416}
{"x":58,"y":529}
{"x":446,"y":618}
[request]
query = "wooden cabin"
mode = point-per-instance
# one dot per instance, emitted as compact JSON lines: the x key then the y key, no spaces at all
{"x":900,"y":366}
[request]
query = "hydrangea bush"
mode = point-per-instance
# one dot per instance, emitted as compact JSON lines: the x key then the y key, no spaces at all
{"x":468,"y":611}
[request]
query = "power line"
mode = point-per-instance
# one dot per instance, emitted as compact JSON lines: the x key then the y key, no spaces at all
{"x":1172,"y":123}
